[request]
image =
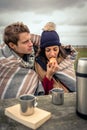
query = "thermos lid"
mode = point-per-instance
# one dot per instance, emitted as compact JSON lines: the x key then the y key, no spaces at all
{"x":82,"y":65}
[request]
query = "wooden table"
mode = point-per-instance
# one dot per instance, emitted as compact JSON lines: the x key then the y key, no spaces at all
{"x":64,"y":116}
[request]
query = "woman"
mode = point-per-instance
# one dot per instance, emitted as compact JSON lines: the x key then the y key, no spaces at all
{"x":56,"y":73}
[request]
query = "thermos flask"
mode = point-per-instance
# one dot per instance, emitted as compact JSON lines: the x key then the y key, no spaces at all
{"x":81,"y":86}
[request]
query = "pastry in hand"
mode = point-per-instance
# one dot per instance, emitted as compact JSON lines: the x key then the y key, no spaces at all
{"x":52,"y":60}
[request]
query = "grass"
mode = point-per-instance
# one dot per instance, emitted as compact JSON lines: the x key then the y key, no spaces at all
{"x":82,"y":52}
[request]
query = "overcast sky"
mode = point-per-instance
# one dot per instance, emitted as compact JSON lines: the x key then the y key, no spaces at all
{"x":70,"y":16}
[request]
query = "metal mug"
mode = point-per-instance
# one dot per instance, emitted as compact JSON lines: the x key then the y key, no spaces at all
{"x":57,"y":96}
{"x":27,"y":104}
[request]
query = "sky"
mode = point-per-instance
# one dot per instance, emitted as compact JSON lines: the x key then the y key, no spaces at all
{"x":70,"y":17}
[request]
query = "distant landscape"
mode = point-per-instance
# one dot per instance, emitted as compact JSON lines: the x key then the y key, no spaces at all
{"x":82,"y":52}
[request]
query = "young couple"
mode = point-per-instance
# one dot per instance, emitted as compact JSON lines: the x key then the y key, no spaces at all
{"x":18,"y":64}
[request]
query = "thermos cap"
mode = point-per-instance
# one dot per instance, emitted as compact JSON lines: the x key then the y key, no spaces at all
{"x":82,"y":65}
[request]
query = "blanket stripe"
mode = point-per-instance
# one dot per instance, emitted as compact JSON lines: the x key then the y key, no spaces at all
{"x":15,"y":80}
{"x":35,"y":39}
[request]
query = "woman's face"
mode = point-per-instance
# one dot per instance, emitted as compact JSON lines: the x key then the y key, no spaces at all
{"x":52,"y":51}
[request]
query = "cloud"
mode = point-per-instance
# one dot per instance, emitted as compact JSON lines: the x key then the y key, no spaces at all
{"x":39,"y":6}
{"x":37,"y":13}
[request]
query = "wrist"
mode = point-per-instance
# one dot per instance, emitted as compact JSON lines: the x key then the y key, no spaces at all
{"x":48,"y":76}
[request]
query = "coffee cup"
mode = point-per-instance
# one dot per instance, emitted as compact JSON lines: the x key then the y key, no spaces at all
{"x":57,"y":96}
{"x":27,"y":103}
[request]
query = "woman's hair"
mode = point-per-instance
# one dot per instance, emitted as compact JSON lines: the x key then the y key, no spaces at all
{"x":61,"y":55}
{"x":11,"y":32}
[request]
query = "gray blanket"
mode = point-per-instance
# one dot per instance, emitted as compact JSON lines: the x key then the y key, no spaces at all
{"x":67,"y":80}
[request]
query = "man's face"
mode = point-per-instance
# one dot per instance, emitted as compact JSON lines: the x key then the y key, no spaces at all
{"x":24,"y":45}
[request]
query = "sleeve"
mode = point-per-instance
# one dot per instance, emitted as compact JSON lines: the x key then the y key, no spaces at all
{"x":47,"y":84}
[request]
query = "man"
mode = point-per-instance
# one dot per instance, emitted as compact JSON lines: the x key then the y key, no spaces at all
{"x":17,"y":75}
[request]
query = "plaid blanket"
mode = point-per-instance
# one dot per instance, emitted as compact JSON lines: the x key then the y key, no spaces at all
{"x":16,"y":76}
{"x":66,"y":74}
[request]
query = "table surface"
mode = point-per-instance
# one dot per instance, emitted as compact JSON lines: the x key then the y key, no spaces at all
{"x":64,"y":116}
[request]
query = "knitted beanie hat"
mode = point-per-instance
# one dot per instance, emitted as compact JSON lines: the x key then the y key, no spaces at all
{"x":49,"y":36}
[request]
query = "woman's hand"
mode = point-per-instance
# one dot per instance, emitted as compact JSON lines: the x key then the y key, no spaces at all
{"x":52,"y":67}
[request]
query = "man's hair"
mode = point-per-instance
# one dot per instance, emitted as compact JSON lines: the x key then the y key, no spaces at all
{"x":12,"y":31}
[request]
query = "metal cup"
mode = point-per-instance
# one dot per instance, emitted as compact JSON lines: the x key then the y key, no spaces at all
{"x":27,"y":104}
{"x":57,"y":96}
